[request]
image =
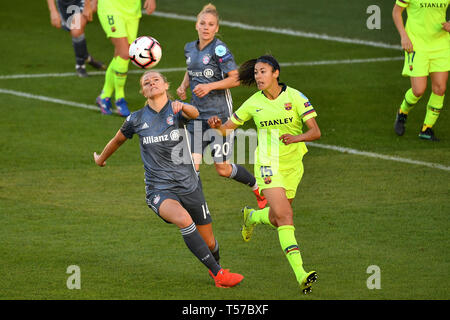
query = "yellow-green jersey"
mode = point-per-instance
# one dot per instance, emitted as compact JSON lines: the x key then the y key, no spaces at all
{"x":128,"y":8}
{"x":424,"y":24}
{"x":273,"y":118}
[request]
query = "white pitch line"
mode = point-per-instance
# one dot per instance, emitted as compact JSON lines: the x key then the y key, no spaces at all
{"x":73,"y":74}
{"x":345,"y":61}
{"x":240,"y":131}
{"x":283,"y":64}
{"x":284,"y":31}
{"x":361,"y":153}
{"x":378,"y":156}
{"x":48,"y":99}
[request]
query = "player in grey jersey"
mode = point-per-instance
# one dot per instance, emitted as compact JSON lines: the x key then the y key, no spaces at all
{"x":172,"y":187}
{"x":211,"y":72}
{"x":72,"y":16}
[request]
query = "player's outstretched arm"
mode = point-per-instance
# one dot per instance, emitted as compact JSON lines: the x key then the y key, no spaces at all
{"x":188,"y":111}
{"x":109,"y":149}
{"x":231,"y":81}
{"x":224,"y":129}
{"x":312,"y":134}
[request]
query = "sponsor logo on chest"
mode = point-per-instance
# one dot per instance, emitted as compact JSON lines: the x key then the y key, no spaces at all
{"x":433,"y":5}
{"x":274,"y":122}
{"x":174,"y":135}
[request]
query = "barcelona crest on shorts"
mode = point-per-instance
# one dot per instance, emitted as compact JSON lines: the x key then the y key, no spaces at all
{"x":267,"y":180}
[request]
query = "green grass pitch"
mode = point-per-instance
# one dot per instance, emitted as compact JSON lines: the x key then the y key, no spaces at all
{"x":57,"y":208}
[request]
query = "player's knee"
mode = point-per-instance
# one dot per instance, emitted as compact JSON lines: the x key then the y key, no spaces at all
{"x":285,"y":220}
{"x":283,"y":216}
{"x":439,"y":88}
{"x":124,"y":55}
{"x":121,"y":47}
{"x":419,"y":91}
{"x":181,"y":220}
{"x":78,"y":25}
{"x":76,"y":32}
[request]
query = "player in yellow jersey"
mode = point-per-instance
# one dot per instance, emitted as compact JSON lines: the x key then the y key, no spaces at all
{"x":120,"y":21}
{"x":279,"y":113}
{"x":426,"y":41}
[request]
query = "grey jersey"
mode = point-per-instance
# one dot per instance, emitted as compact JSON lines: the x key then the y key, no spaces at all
{"x":164,"y":149}
{"x":210,"y":65}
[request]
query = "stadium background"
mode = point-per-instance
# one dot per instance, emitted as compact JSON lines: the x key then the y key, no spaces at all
{"x":388,"y":207}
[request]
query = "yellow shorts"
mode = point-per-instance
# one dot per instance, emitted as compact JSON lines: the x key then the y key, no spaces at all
{"x":119,"y":26}
{"x":272,"y":177}
{"x":421,"y":63}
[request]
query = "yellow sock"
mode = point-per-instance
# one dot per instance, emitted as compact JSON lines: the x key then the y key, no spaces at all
{"x":289,"y":245}
{"x":261,"y":217}
{"x":408,"y":102}
{"x":108,"y":87}
{"x":434,"y":106}
{"x":120,"y":76}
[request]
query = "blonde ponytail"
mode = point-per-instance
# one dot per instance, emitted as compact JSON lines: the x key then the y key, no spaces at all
{"x":211,"y":9}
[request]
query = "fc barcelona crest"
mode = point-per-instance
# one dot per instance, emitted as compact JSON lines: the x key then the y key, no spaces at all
{"x":288,"y":106}
{"x":267,"y":180}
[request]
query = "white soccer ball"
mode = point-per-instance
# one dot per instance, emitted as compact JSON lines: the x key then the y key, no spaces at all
{"x":145,"y":52}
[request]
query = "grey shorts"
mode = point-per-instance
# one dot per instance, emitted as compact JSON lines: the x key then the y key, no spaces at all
{"x":67,"y":8}
{"x":194,"y":203}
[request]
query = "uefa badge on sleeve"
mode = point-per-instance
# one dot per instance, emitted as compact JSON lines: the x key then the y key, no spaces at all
{"x":220,"y":50}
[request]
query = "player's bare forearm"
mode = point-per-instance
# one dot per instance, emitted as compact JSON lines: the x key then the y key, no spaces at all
{"x":312,"y":134}
{"x":224,"y":129}
{"x":229,"y":82}
{"x":55,"y":20}
{"x":181,"y":91}
{"x":94,"y":5}
{"x":87,"y":11}
{"x":150,"y":6}
{"x":110,"y":148}
{"x":189,"y":111}
{"x":398,"y":20}
{"x":51,"y":5}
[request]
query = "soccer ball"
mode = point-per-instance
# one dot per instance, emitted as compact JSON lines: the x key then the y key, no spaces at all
{"x":145,"y":52}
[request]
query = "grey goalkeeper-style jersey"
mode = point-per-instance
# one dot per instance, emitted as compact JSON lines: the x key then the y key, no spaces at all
{"x":210,"y":65}
{"x":164,"y":149}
